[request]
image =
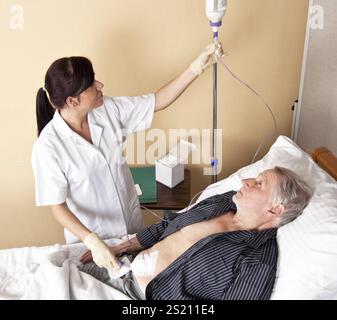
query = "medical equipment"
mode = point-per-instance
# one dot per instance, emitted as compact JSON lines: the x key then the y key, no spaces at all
{"x":206,"y":58}
{"x":262,"y":99}
{"x":145,"y":263}
{"x":215,"y":11}
{"x":125,"y":267}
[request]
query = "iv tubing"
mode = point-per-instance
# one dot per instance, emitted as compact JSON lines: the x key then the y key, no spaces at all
{"x":263,"y":100}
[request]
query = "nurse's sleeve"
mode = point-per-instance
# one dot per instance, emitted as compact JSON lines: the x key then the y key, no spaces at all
{"x":50,"y":183}
{"x":135,"y":113}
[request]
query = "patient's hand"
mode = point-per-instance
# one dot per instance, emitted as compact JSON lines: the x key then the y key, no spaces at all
{"x":87,"y":257}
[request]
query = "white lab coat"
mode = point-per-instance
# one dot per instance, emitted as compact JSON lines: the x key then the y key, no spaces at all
{"x":93,"y":179}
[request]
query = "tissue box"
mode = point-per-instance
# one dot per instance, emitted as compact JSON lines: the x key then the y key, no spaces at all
{"x":169,"y":173}
{"x":170,"y":168}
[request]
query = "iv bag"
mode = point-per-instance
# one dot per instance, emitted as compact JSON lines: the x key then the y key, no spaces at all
{"x":216,"y":9}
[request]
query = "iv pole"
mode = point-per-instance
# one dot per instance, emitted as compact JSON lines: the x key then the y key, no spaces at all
{"x":214,"y":161}
{"x":215,"y":11}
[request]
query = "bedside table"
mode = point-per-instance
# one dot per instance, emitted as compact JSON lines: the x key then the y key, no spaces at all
{"x":172,"y":199}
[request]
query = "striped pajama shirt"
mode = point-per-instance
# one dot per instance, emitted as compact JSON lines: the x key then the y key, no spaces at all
{"x":239,"y":265}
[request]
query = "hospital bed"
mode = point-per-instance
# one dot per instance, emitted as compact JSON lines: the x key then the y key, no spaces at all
{"x":307,"y":261}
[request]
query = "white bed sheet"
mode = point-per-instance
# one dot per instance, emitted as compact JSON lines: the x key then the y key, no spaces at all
{"x":50,"y":273}
{"x":307,"y":246}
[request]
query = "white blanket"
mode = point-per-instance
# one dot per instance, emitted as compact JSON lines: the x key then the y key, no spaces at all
{"x":50,"y":273}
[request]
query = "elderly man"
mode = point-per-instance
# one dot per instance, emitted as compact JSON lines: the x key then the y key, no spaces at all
{"x":223,"y":248}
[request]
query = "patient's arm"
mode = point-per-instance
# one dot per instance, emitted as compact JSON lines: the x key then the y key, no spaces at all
{"x":143,"y":239}
{"x":128,"y":246}
{"x":151,"y":235}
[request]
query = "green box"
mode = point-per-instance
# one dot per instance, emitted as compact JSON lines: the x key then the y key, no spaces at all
{"x":145,"y":177}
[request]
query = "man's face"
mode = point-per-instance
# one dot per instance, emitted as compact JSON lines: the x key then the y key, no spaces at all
{"x":255,"y":196}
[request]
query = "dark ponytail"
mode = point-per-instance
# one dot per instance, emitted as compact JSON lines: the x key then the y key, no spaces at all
{"x":66,"y":77}
{"x":44,"y":110}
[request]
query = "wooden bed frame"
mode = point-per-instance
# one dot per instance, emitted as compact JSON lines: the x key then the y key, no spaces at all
{"x":326,"y":160}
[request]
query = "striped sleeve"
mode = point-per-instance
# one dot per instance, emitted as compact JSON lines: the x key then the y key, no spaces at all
{"x":254,"y":282}
{"x":151,"y":235}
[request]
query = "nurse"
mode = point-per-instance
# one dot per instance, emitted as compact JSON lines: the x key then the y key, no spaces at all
{"x":77,"y":159}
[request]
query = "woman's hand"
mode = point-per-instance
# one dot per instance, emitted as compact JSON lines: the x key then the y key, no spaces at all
{"x":100,"y":252}
{"x":87,"y":256}
{"x":207,"y":58}
{"x":131,"y":245}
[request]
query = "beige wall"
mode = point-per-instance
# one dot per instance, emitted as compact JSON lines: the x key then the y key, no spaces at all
{"x":136,"y":46}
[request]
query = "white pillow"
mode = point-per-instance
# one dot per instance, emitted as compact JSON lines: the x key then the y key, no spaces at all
{"x":307,"y":263}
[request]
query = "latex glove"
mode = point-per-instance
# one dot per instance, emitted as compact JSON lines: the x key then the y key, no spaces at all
{"x":101,"y":254}
{"x":207,"y":58}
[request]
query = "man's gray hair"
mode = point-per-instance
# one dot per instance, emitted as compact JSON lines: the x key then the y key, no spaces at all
{"x":292,"y":192}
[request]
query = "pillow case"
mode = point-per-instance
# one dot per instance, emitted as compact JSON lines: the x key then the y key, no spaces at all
{"x":307,"y":263}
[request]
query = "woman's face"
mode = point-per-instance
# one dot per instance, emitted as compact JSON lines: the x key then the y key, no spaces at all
{"x":92,"y":97}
